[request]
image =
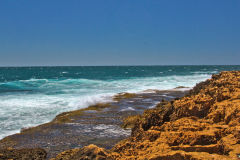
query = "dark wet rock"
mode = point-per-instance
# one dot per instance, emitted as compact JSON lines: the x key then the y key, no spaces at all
{"x":23,"y":154}
{"x":181,"y":87}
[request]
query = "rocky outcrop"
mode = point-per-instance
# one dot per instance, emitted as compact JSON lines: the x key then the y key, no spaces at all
{"x":205,"y":124}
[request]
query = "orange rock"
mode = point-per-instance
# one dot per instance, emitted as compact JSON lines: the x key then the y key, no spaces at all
{"x":86,"y":153}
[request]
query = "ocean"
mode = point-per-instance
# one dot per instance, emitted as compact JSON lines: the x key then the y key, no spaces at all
{"x":30,"y":96}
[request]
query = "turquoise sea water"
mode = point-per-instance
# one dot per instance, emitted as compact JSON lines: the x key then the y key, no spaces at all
{"x":33,"y":95}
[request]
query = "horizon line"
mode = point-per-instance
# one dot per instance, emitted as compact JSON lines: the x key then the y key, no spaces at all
{"x":121,"y":65}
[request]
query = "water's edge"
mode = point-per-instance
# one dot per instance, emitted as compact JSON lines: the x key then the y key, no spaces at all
{"x":100,"y":125}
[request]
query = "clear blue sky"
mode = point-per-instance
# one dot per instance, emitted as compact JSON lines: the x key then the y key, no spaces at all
{"x":119,"y":32}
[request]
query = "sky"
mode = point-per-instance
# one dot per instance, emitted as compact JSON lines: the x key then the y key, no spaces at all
{"x":119,"y":32}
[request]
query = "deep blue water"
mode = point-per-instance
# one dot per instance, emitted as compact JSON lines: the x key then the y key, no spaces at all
{"x":33,"y":95}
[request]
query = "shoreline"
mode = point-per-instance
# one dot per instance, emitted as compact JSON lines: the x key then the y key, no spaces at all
{"x":109,"y":99}
{"x":106,"y":128}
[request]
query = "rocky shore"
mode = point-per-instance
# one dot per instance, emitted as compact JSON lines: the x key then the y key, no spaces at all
{"x":100,"y":124}
{"x":204,"y":124}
